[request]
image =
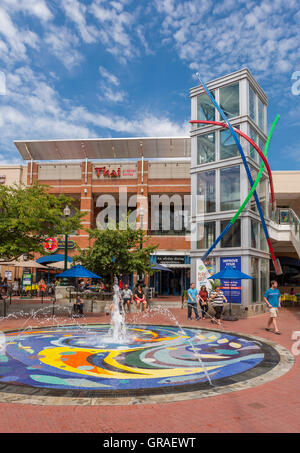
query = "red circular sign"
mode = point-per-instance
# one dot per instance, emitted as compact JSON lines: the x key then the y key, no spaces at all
{"x":50,"y":245}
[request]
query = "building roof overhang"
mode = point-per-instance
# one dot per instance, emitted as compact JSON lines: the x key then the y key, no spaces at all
{"x":105,"y":148}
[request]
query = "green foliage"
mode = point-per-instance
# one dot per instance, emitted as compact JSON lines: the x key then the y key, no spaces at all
{"x":214,"y":284}
{"x":28,"y":215}
{"x":116,"y":251}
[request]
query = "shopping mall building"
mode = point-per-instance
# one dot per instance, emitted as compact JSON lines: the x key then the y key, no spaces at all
{"x":181,"y":190}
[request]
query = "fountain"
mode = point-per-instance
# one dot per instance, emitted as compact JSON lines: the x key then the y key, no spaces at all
{"x":117,"y":322}
{"x":119,"y":360}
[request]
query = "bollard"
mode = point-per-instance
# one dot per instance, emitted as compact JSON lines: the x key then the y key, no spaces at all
{"x":4,"y":308}
{"x":53,"y":302}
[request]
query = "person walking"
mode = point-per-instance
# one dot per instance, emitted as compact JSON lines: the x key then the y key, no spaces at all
{"x":203,"y":300}
{"x":218,"y":299}
{"x":272,"y":298}
{"x":192,"y":302}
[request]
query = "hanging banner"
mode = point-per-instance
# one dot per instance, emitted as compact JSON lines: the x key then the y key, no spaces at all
{"x":236,"y":288}
{"x":202,"y":275}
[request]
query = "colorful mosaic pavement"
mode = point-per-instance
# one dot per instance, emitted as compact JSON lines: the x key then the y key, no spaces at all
{"x":156,"y":358}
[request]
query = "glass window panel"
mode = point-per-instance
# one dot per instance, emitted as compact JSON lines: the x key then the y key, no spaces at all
{"x":253,"y":152}
{"x":261,"y":115}
{"x":261,"y":145}
{"x":252,"y":104}
{"x":228,"y":147}
{"x":255,"y":281}
{"x":262,"y":194}
{"x":233,"y":237}
{"x":206,"y":148}
{"x":229,"y":100}
{"x":264,"y":273}
{"x":205,"y":108}
{"x":254,"y":234}
{"x":254,"y":174}
{"x":206,"y":235}
{"x":263,"y":240}
{"x":206,"y":188}
{"x":230,"y":188}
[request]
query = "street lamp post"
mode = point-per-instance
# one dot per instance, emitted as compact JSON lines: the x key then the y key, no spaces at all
{"x":142,"y":212}
{"x":67,"y":213}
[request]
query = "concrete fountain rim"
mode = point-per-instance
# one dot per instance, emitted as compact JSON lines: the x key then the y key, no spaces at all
{"x":285,"y":364}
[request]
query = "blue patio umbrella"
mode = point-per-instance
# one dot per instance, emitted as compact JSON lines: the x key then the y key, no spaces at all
{"x":230,"y":273}
{"x":78,"y":271}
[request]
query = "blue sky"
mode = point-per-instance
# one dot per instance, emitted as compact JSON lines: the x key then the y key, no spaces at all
{"x":98,"y":68}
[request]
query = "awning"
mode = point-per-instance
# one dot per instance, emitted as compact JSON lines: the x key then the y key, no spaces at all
{"x":105,"y":148}
{"x":53,"y":258}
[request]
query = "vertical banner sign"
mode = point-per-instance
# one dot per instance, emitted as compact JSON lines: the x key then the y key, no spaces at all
{"x":26,"y":279}
{"x":202,"y":275}
{"x":236,"y":288}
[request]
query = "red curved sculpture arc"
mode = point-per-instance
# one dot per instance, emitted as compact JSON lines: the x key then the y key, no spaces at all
{"x":242,"y":134}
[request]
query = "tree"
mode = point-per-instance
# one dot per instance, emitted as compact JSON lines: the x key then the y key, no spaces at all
{"x":28,"y":215}
{"x":117,"y":251}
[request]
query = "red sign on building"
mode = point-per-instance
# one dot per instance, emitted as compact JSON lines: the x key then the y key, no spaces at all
{"x":50,"y":245}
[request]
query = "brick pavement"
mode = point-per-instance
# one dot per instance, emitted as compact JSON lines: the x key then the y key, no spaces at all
{"x":271,"y":407}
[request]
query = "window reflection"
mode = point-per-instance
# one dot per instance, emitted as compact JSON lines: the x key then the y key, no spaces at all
{"x":230,"y":188}
{"x":206,"y":148}
{"x":233,"y":237}
{"x":205,"y":108}
{"x":261,"y":115}
{"x":254,"y":234}
{"x":229,"y":100}
{"x":228,"y":147}
{"x":252,"y":104}
{"x":206,"y":188}
{"x":255,"y":281}
{"x":253,"y":152}
{"x":206,"y":235}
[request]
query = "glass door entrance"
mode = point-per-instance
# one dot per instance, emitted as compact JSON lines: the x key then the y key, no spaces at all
{"x":171,"y":283}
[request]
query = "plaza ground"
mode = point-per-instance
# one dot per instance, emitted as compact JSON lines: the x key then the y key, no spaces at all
{"x":271,"y":407}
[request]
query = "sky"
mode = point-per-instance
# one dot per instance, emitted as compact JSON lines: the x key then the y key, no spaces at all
{"x":98,"y":68}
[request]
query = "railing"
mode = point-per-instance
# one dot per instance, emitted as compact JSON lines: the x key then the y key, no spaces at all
{"x":288,"y":217}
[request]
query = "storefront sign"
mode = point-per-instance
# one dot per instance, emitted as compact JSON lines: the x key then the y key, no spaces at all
{"x":165,"y":260}
{"x":110,"y":172}
{"x":51,"y":245}
{"x":235,"y":293}
{"x":107,"y":172}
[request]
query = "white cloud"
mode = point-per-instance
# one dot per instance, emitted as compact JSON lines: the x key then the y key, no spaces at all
{"x":14,"y":46}
{"x":214,"y":39}
{"x":32,"y":109}
{"x":62,"y":43}
{"x":111,"y":78}
{"x":76,"y":12}
{"x":115,"y":29}
{"x":36,"y":8}
{"x":110,"y":87}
